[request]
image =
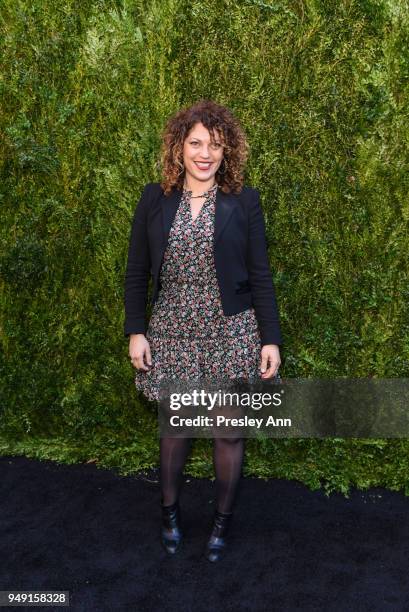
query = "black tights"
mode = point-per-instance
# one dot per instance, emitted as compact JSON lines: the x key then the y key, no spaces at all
{"x":227,"y":461}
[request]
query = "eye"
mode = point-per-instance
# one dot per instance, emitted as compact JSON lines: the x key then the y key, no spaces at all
{"x":216,"y":145}
{"x":194,"y":142}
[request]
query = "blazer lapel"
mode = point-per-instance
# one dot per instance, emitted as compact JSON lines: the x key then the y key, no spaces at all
{"x":225,"y":204}
{"x":169,"y":206}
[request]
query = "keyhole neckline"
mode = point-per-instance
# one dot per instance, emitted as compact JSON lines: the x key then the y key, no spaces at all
{"x":208,"y":194}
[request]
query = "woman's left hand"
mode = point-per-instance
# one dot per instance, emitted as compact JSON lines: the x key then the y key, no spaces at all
{"x":270,"y":360}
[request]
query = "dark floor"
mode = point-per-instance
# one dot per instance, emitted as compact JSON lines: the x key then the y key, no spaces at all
{"x":96,"y":534}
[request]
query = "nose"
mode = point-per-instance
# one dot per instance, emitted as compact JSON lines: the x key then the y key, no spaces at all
{"x":205,"y":151}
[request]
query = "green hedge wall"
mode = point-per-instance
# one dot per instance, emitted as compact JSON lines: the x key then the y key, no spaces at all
{"x":321,"y":88}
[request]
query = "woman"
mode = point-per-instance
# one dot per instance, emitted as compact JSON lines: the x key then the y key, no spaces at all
{"x":201,"y":235}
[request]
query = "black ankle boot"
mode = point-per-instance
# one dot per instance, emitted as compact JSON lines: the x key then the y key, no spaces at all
{"x":171,"y":534}
{"x":216,"y":545}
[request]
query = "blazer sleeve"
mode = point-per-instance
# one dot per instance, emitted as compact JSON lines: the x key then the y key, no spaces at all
{"x":260,"y":278}
{"x":137,"y":269}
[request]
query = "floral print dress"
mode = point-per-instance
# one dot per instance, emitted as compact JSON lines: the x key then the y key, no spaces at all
{"x":188,"y":333}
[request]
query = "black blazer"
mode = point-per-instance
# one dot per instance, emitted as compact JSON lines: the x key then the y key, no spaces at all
{"x":240,"y":256}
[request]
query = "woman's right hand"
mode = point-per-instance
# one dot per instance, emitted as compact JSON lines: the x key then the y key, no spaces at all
{"x":140,"y":352}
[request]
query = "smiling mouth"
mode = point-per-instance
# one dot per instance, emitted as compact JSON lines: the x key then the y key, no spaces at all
{"x":203,"y":165}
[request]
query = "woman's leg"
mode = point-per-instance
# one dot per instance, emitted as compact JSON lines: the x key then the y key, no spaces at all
{"x":173,"y":455}
{"x":227,"y":459}
{"x":228,"y":456}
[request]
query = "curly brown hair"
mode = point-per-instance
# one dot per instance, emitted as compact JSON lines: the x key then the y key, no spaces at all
{"x":214,"y":117}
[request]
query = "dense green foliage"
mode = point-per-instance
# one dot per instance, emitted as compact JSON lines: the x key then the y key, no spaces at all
{"x":321,"y":88}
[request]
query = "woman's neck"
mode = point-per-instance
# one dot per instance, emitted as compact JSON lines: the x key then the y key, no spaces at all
{"x":198,"y":187}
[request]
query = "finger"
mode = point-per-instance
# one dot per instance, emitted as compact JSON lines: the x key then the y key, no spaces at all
{"x":148,"y":356}
{"x":265,"y":359}
{"x":263,"y":366}
{"x":273,"y":365}
{"x":270,"y":372}
{"x":134,"y":362}
{"x":140,"y":364}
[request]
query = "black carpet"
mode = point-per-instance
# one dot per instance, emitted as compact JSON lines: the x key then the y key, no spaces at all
{"x":96,"y":534}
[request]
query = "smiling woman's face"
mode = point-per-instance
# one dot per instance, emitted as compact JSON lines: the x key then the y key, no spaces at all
{"x":201,"y":157}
